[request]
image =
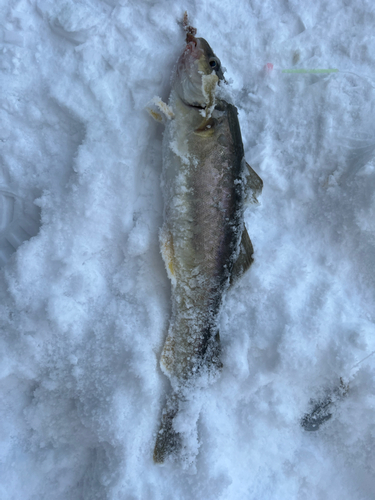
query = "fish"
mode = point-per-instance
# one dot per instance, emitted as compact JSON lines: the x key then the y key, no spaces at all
{"x":207,"y":185}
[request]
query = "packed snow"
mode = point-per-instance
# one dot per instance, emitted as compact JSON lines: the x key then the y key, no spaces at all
{"x":85,"y":297}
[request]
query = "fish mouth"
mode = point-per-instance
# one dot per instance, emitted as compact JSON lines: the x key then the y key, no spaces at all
{"x":192,"y":50}
{"x":190,"y":38}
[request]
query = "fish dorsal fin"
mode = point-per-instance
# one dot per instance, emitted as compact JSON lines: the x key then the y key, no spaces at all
{"x":254,"y":185}
{"x":244,"y":259}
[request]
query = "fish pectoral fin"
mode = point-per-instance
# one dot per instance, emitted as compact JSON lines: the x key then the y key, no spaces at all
{"x":167,"y":252}
{"x":206,"y":128}
{"x":245,"y":258}
{"x":164,"y":112}
{"x":155,"y":115}
{"x":254,"y":185}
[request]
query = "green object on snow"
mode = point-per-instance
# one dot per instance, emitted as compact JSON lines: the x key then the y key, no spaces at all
{"x":329,"y":70}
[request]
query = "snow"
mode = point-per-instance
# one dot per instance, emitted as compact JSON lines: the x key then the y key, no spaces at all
{"x":85,"y":302}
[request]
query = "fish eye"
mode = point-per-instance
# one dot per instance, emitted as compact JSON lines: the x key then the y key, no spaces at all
{"x":214,"y":63}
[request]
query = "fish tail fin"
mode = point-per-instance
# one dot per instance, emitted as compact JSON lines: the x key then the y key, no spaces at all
{"x":168,"y":440}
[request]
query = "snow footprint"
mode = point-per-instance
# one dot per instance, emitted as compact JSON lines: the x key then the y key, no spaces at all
{"x":19,"y":221}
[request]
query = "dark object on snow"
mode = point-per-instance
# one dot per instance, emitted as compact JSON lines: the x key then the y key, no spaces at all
{"x":323,"y":409}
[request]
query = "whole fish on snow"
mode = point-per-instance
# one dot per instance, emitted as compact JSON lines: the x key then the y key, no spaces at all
{"x":204,"y":243}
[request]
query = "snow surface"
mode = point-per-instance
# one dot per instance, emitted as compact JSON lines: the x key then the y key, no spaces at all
{"x":85,"y":303}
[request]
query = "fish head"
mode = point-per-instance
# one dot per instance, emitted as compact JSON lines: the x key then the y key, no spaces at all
{"x":198,"y":69}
